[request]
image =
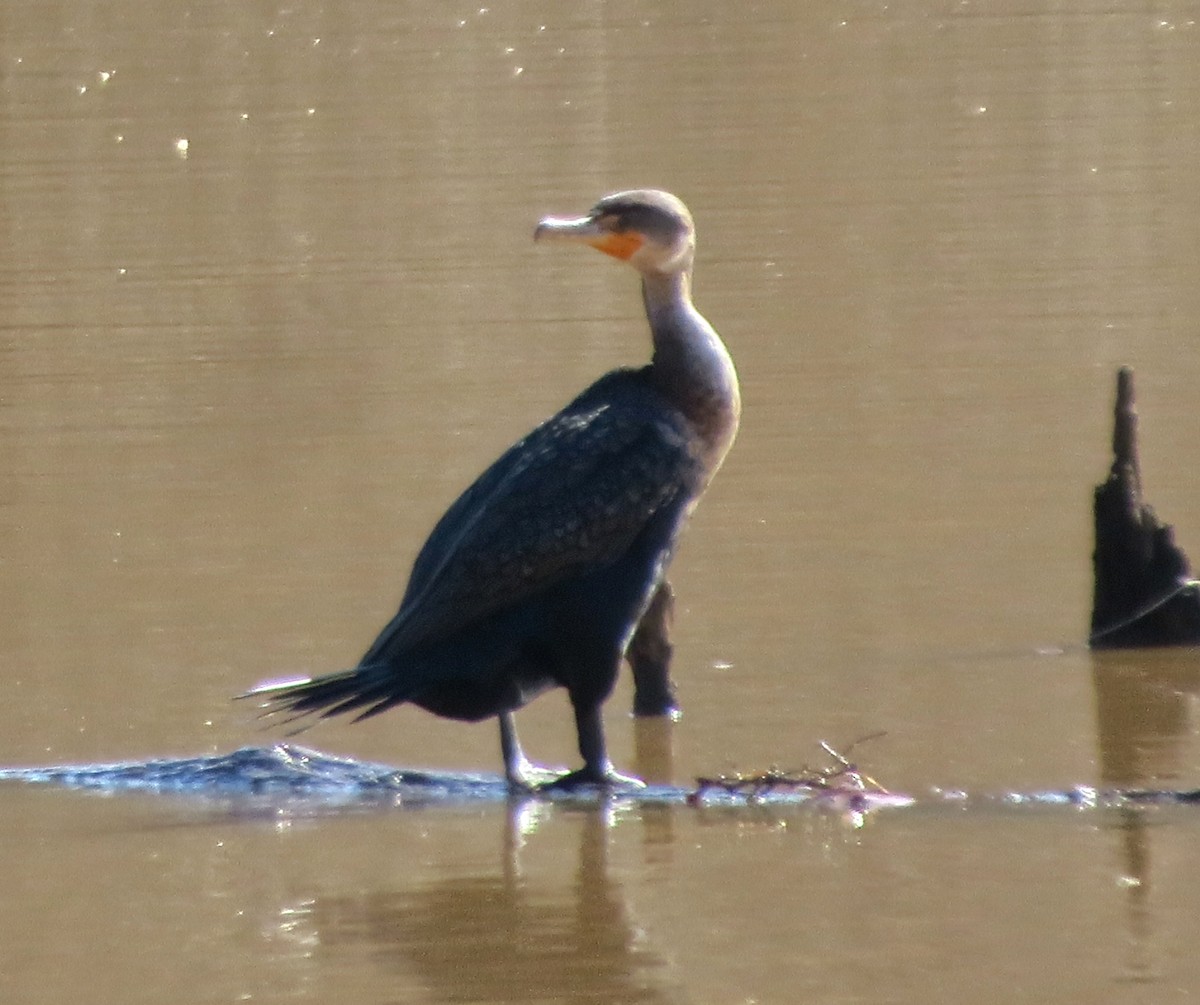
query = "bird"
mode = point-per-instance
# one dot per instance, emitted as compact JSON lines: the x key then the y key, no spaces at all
{"x":538,"y":575}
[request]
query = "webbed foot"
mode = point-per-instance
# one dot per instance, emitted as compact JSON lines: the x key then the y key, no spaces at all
{"x":525,"y":776}
{"x":520,"y":772}
{"x":606,"y":777}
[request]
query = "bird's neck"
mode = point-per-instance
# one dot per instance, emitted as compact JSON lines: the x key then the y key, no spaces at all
{"x":691,"y":365}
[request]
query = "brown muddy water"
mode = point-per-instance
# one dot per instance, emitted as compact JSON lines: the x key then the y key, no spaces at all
{"x":268,"y":301}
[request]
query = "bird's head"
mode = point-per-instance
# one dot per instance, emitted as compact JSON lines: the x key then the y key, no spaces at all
{"x":650,"y":229}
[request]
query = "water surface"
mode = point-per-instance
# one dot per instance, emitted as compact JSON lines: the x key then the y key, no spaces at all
{"x":268,"y":301}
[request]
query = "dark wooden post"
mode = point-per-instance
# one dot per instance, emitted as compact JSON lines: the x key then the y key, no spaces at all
{"x":1145,"y":594}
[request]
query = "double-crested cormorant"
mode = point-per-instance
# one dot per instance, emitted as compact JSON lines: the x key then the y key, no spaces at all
{"x":538,"y":575}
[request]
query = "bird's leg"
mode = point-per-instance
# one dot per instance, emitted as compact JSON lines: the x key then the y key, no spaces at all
{"x":520,"y":772}
{"x":649,"y":656}
{"x":597,"y":768}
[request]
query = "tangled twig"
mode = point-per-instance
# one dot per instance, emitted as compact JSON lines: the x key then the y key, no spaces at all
{"x":841,"y":778}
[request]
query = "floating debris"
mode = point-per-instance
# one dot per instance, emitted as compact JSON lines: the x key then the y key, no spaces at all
{"x":839,"y":782}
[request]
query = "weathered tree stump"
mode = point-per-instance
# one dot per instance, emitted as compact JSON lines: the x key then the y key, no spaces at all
{"x":1145,"y":593}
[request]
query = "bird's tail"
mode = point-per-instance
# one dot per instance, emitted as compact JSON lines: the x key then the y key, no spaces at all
{"x":368,"y":689}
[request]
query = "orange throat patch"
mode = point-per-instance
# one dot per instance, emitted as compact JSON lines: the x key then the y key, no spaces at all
{"x":623,"y":246}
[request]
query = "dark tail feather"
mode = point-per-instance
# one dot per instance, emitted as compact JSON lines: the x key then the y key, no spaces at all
{"x":370,"y":688}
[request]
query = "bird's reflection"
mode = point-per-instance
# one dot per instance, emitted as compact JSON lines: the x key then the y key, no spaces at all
{"x":506,"y":936}
{"x":1144,"y":727}
{"x":525,"y":934}
{"x":653,"y":741}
